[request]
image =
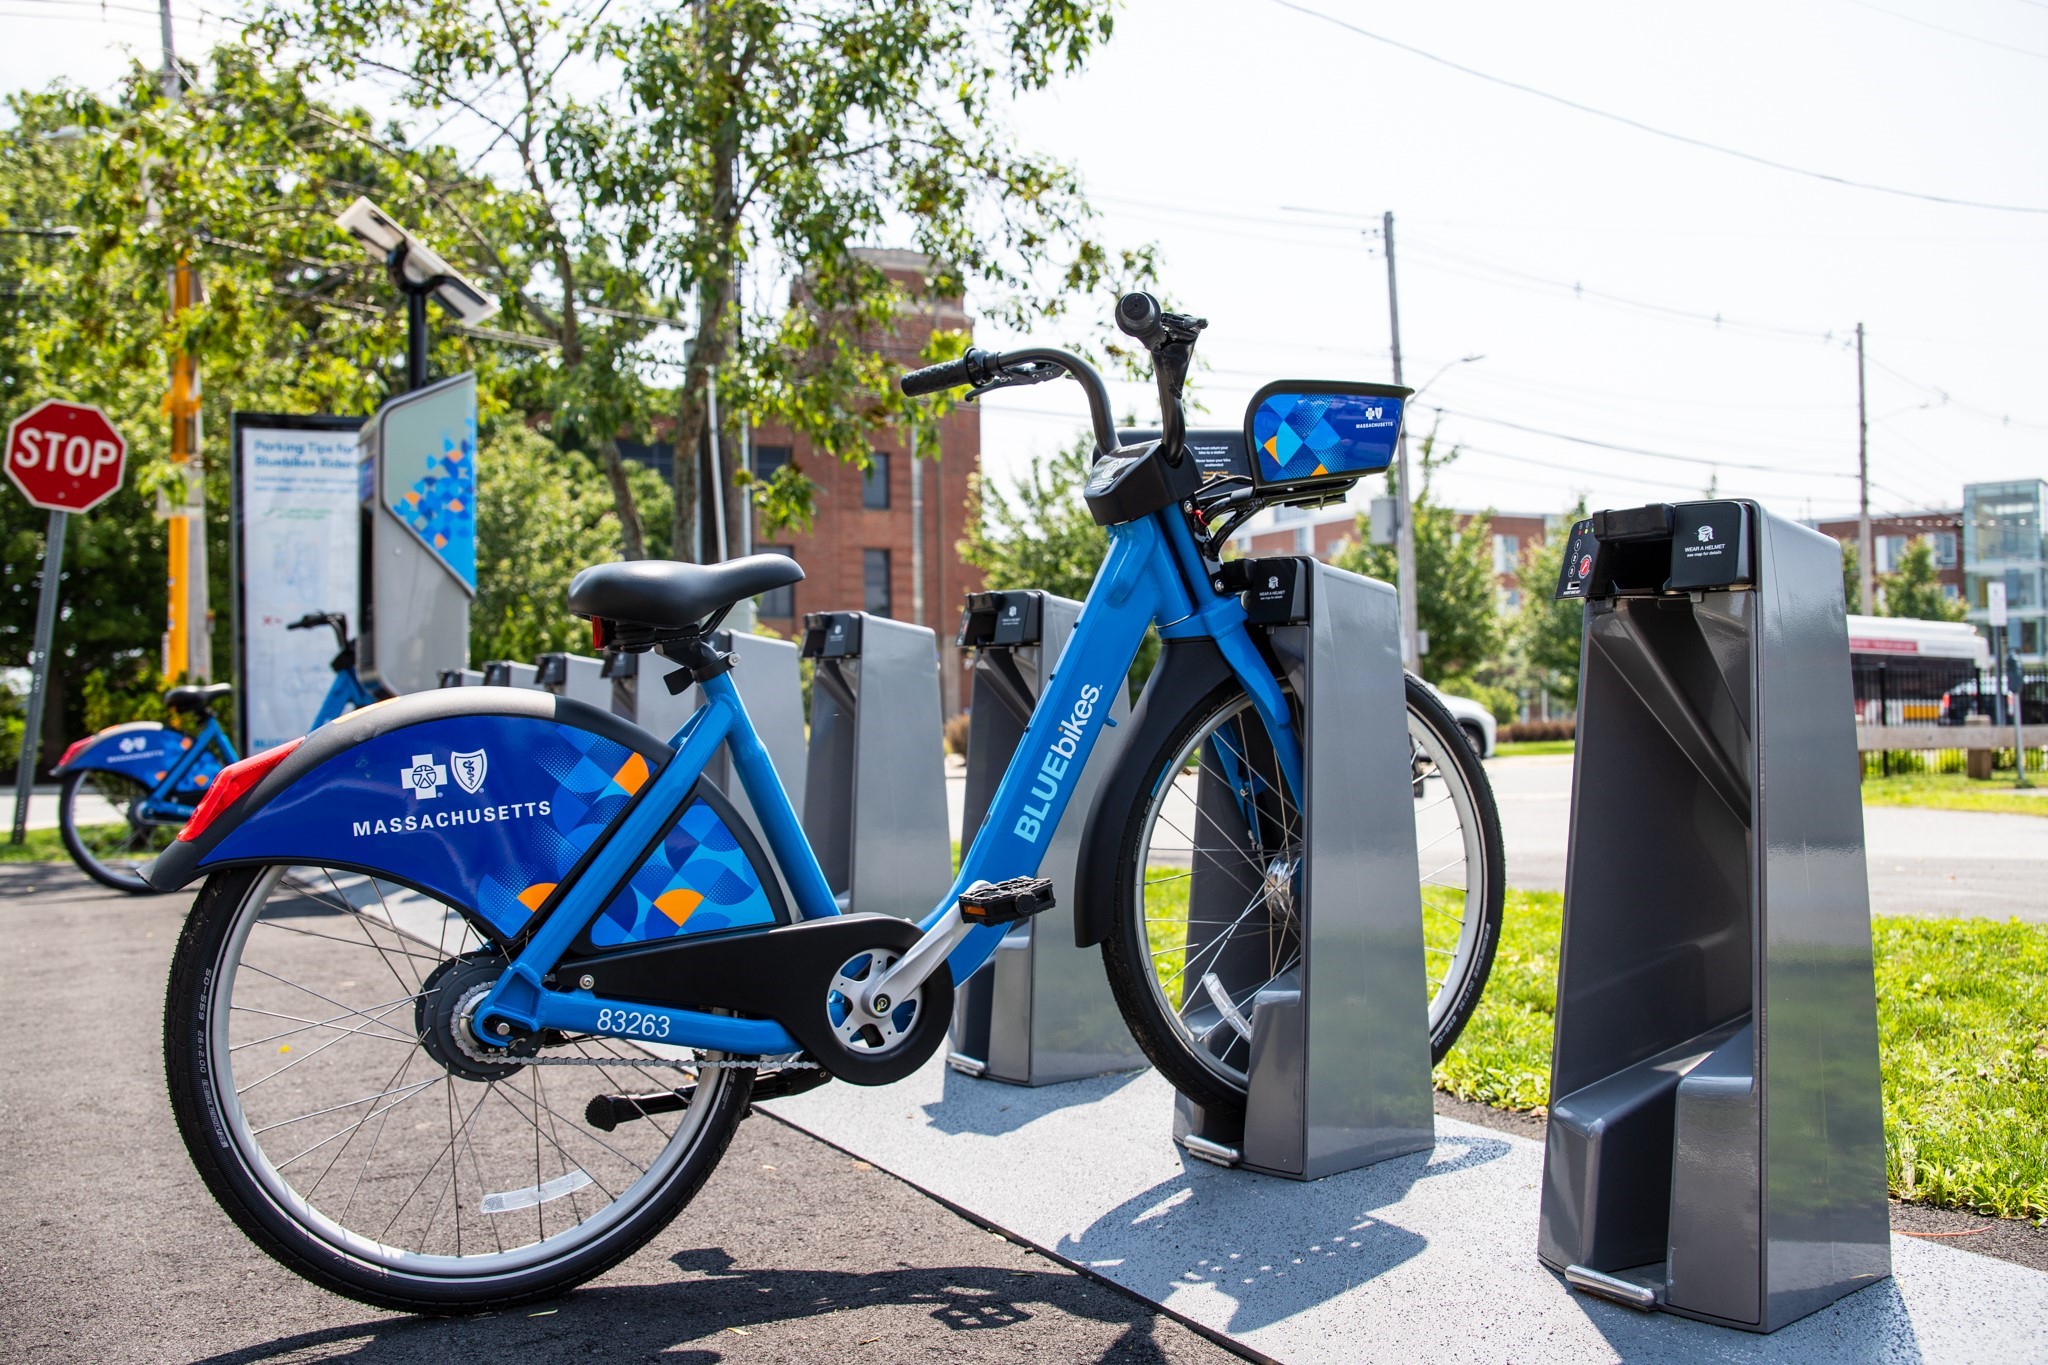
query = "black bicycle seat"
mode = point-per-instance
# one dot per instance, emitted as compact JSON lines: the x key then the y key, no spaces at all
{"x":192,"y":697}
{"x":666,"y":595}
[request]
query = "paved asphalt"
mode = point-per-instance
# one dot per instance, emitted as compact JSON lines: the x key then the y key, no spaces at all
{"x":111,"y":1249}
{"x":1922,"y":862}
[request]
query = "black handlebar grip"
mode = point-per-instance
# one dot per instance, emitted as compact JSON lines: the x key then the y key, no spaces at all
{"x":1138,"y":315}
{"x":935,"y":378}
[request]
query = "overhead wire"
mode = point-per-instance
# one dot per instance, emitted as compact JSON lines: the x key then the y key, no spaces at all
{"x":1951,"y":32}
{"x":1686,"y":139}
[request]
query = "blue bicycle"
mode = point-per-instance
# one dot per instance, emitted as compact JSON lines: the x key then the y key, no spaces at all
{"x":481,"y":981}
{"x":128,"y":789}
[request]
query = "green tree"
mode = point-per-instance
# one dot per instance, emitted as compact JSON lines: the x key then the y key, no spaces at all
{"x":1546,"y":631}
{"x":1455,"y":591}
{"x":542,"y":515}
{"x":1852,"y":586}
{"x":242,"y":178}
{"x":1913,"y":588}
{"x":733,"y":161}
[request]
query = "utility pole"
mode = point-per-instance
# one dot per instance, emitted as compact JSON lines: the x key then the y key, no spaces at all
{"x":188,"y":651}
{"x":1404,"y":503}
{"x":1866,"y":561}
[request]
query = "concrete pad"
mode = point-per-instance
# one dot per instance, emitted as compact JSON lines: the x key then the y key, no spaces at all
{"x":1429,"y":1257}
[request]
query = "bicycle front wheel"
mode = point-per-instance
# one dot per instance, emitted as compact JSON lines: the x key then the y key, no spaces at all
{"x":96,"y":817}
{"x":1206,"y":914}
{"x":327,"y":1091}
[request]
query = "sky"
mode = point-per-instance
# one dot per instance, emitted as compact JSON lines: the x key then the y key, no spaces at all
{"x":1650,"y":317}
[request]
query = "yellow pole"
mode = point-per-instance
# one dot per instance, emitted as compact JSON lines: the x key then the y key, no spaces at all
{"x":186,"y":651}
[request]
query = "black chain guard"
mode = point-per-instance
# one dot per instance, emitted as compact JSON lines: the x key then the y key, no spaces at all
{"x":784,"y":973}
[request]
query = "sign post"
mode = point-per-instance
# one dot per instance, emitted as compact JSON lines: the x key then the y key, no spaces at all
{"x":1994,"y":601}
{"x":65,"y":457}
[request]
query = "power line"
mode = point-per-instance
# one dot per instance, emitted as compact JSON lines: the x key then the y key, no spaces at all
{"x":1949,"y":400}
{"x":1951,"y":32}
{"x":1637,"y":450}
{"x":1640,"y":126}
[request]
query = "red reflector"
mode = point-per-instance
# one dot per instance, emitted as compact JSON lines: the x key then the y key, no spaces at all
{"x":228,"y":787}
{"x":73,"y":751}
{"x":596,"y":632}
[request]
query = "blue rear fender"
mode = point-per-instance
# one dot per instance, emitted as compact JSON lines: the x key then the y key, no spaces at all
{"x":141,"y":749}
{"x":487,"y":798}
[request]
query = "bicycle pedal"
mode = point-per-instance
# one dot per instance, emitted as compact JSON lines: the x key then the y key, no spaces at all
{"x":1006,"y":902}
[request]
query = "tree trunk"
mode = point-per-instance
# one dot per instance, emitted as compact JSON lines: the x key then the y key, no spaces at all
{"x":631,"y":539}
{"x":681,"y":535}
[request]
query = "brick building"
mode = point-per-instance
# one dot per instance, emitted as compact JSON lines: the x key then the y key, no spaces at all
{"x":1324,"y":532}
{"x":864,"y":546}
{"x":1889,"y":537}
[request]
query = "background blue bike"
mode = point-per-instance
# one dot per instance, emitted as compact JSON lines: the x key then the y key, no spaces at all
{"x":128,"y":789}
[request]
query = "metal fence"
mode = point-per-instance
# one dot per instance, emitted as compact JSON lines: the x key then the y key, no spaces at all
{"x":1933,"y":715}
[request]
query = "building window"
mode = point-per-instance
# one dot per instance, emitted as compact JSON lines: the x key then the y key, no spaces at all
{"x":874,"y":482}
{"x":769,"y":461}
{"x":875,"y":582}
{"x":1507,"y":553}
{"x":777,"y":602}
{"x":1303,"y":544}
{"x":1510,"y":598}
{"x":1944,"y":548}
{"x":1952,"y":591}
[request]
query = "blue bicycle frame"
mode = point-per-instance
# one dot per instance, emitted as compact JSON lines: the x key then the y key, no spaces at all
{"x":1153,"y":574}
{"x":344,"y":694}
{"x":211,"y":742}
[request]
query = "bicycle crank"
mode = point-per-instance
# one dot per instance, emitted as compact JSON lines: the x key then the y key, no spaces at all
{"x":807,"y":977}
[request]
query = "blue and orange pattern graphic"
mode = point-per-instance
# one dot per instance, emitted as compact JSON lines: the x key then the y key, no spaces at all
{"x":1314,"y":435}
{"x":441,"y":504}
{"x":545,"y":793}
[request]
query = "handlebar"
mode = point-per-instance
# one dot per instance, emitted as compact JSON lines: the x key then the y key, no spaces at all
{"x":1032,"y":365}
{"x":313,"y":619}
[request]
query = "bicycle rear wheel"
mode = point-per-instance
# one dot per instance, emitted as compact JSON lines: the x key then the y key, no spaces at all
{"x":1186,"y":972}
{"x":96,"y":817}
{"x":329,"y":1100}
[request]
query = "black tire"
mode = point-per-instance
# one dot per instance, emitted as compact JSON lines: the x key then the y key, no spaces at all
{"x":1129,"y":954}
{"x":114,"y":864}
{"x":209,"y":1128}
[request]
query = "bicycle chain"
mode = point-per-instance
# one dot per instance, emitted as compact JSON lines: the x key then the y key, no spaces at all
{"x":661,"y":1062}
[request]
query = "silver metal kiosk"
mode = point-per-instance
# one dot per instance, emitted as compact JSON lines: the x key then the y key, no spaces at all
{"x":875,"y":787}
{"x":575,"y":676}
{"x":461,"y":677}
{"x":1716,"y":1142}
{"x":1041,"y":1012}
{"x":1339,"y":1072}
{"x":418,"y":485}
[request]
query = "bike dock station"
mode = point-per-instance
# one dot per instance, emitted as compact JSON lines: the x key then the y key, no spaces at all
{"x":1040,"y":1012}
{"x":574,"y":676}
{"x":511,"y":673}
{"x":874,"y":795}
{"x":1339,"y":1069}
{"x":1432,"y":1255}
{"x":1716,"y":1144}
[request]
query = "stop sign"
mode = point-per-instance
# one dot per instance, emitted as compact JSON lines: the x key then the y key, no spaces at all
{"x":66,"y":457}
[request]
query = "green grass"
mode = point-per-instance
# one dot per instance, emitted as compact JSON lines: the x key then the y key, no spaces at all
{"x":37,"y":846}
{"x":1962,"y":1013}
{"x":1953,"y":791}
{"x":1530,"y":747}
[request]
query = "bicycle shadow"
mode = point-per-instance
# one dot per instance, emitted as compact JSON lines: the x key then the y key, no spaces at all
{"x":969,"y":1104}
{"x":717,"y":1296}
{"x":1240,"y":1251}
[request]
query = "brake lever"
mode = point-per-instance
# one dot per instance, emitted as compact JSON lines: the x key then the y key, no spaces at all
{"x":1015,"y":376}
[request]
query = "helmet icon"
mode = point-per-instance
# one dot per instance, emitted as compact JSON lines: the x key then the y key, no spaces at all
{"x":1706,"y":534}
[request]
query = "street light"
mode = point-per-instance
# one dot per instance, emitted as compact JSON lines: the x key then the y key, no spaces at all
{"x":417,"y":271}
